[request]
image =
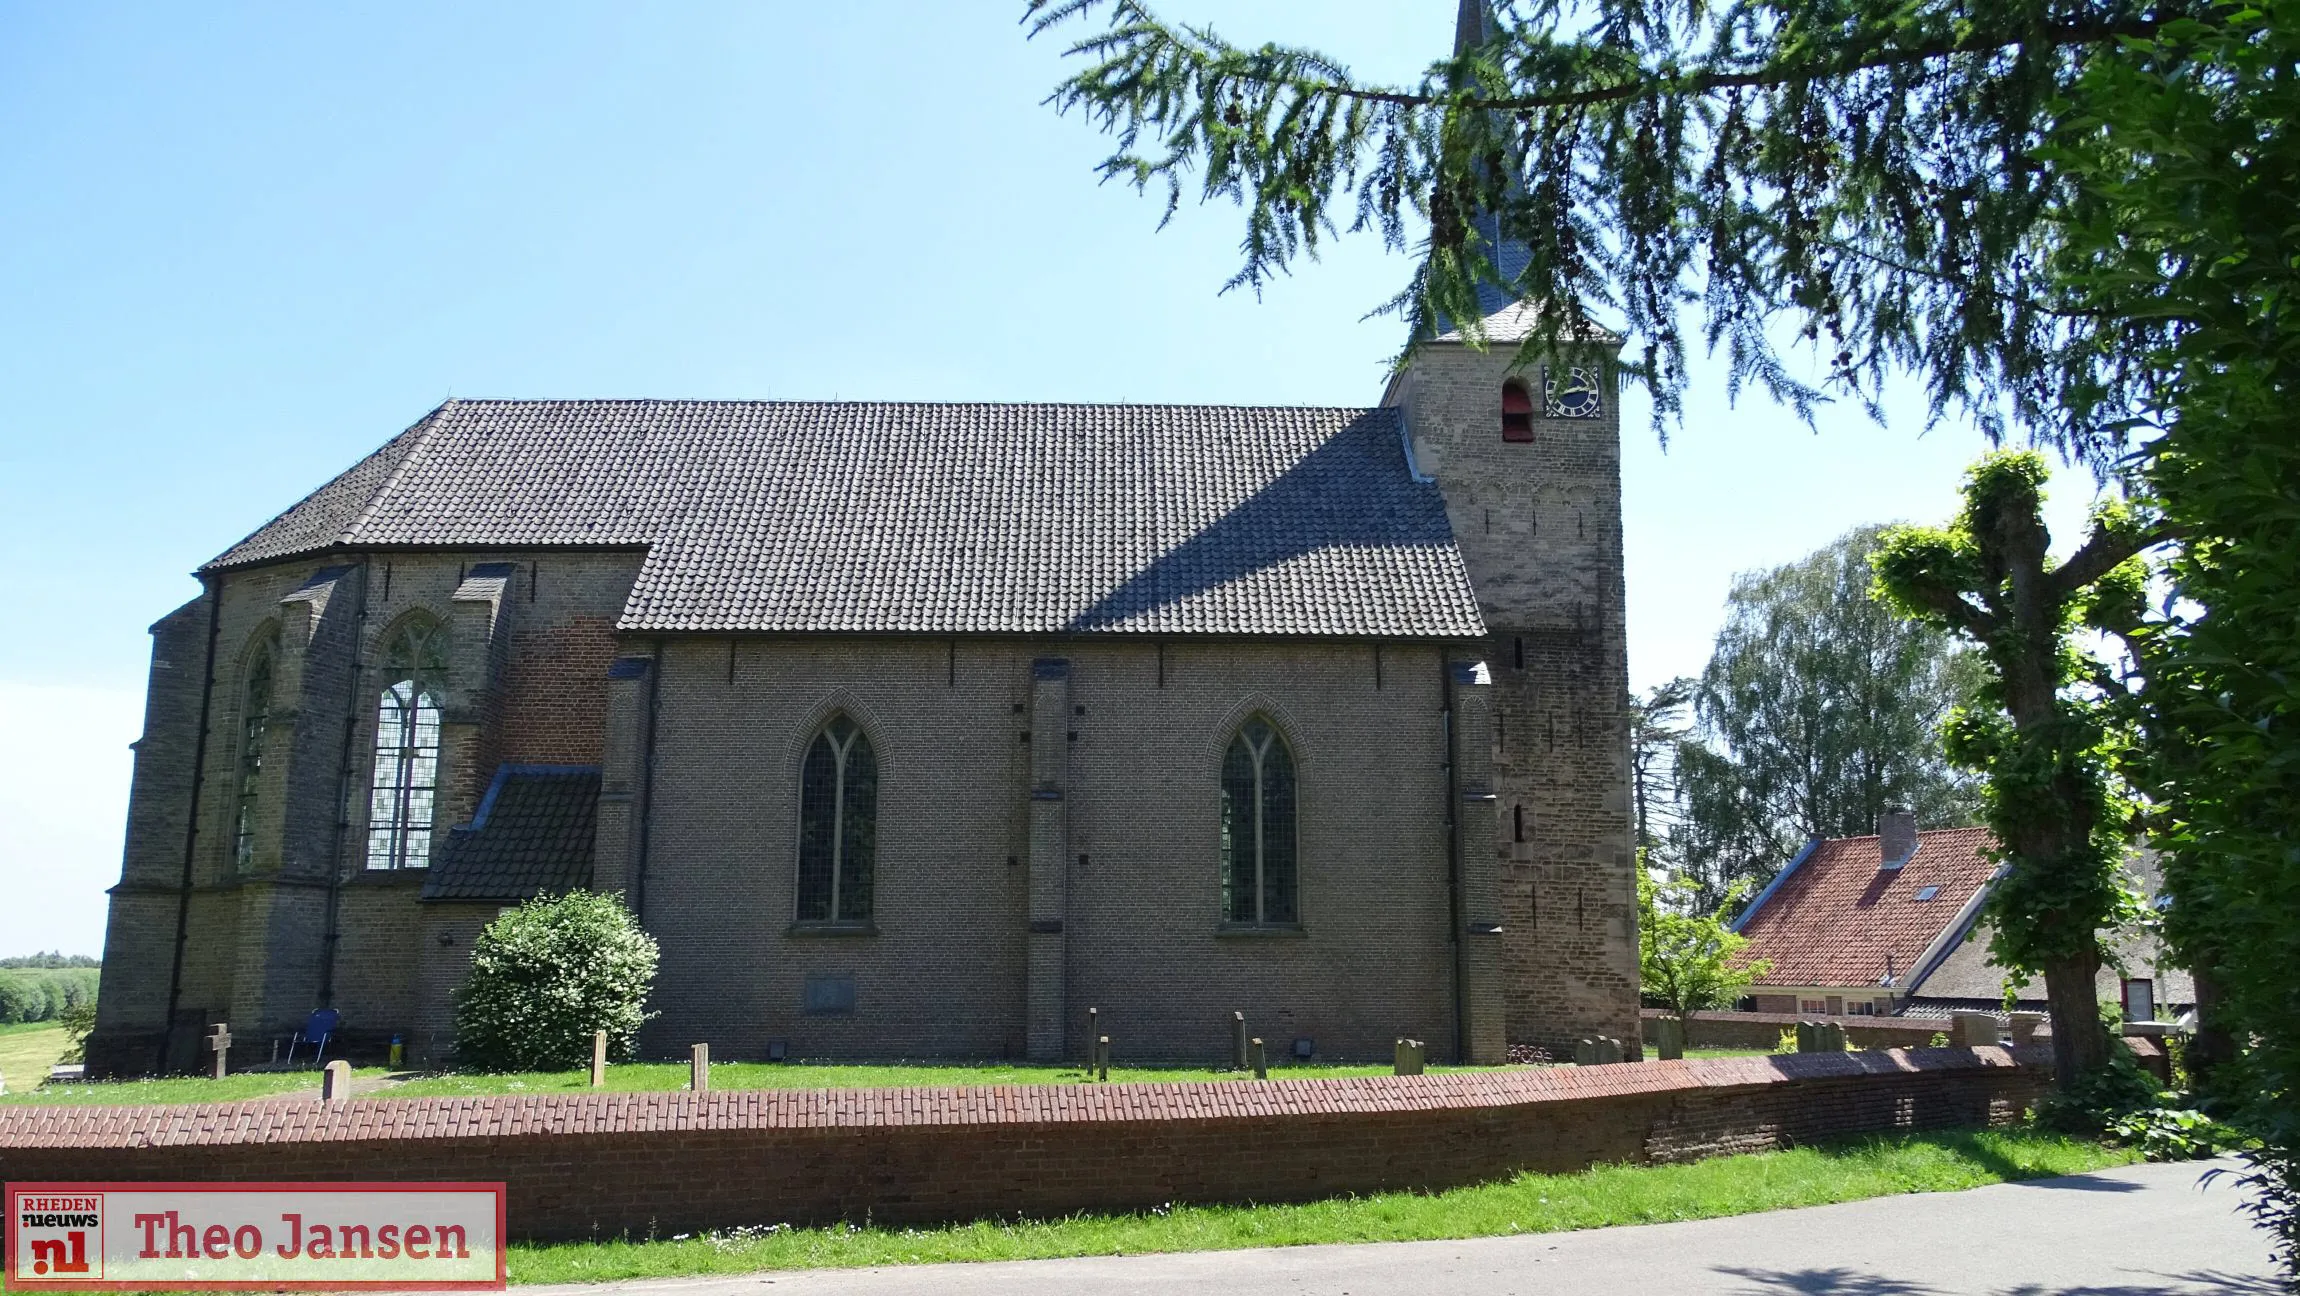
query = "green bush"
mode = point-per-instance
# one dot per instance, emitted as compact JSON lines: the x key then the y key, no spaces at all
{"x":2171,"y":1133}
{"x":549,"y":974}
{"x":79,"y":1021}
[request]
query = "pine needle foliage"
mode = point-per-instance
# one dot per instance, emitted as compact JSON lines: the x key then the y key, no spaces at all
{"x":2071,"y":218}
{"x":1865,"y":175}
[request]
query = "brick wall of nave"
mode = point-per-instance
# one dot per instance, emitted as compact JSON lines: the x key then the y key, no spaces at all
{"x":945,"y":974}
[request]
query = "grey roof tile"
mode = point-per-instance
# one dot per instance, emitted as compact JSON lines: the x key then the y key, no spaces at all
{"x":877,"y":518}
{"x":533,"y":834}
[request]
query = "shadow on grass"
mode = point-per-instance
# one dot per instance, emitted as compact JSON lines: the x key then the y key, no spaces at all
{"x":1983,"y":1148}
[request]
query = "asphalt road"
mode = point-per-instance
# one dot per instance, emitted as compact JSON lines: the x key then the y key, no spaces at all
{"x":2141,"y":1229}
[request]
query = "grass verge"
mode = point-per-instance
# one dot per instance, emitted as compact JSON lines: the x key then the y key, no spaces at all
{"x":636,"y":1077}
{"x":27,"y":1050}
{"x":659,"y":1076}
{"x":181,"y":1089}
{"x":1531,"y":1203}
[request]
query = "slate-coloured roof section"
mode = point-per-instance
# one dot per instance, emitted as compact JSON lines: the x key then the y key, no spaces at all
{"x":1968,"y":975}
{"x":903,"y":518}
{"x":533,"y":834}
{"x":1837,"y":917}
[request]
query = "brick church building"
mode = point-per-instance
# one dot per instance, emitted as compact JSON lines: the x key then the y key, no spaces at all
{"x":919,"y":730}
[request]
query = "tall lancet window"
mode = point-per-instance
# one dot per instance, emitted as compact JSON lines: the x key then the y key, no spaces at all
{"x":255,"y":723}
{"x":838,"y":825}
{"x":402,"y":799}
{"x":1258,"y":828}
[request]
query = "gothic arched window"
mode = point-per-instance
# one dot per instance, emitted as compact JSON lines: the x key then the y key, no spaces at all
{"x":1516,"y":411}
{"x":1258,"y":828}
{"x":838,"y":825}
{"x":255,"y":721}
{"x":406,"y":785}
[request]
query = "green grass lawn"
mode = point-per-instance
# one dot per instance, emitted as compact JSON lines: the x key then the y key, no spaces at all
{"x":638,"y":1077}
{"x":184,"y":1089}
{"x":1531,"y":1203}
{"x":630,"y":1078}
{"x":27,"y":1050}
{"x":657,"y":1076}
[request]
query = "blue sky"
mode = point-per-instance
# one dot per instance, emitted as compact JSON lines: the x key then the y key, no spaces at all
{"x":240,"y":245}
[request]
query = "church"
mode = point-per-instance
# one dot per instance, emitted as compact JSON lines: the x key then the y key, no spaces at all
{"x":919,"y":731}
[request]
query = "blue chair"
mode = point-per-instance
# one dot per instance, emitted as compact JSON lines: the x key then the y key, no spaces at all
{"x":317,"y":1030}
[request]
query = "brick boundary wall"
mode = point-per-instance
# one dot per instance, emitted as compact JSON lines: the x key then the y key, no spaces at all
{"x":1763,"y":1030}
{"x":610,"y":1164}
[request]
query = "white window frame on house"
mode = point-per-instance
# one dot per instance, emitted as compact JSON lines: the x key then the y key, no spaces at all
{"x":2147,"y":988}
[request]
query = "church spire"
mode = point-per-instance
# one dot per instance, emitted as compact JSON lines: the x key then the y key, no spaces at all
{"x":1472,"y":25}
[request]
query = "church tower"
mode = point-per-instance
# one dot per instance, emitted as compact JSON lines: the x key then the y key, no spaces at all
{"x":1528,"y":458}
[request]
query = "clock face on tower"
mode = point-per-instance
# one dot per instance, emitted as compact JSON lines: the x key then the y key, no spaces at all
{"x":1571,"y":392}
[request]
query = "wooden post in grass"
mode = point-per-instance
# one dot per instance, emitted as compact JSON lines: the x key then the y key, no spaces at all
{"x":220,"y":1044}
{"x":1237,"y":1041}
{"x":335,"y":1082}
{"x":1257,"y":1058}
{"x":599,"y":1059}
{"x":699,"y":1069}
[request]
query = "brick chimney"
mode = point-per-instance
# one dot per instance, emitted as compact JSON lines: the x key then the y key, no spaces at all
{"x":1896,"y":837}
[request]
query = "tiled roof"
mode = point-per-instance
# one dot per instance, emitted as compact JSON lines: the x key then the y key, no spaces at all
{"x":875,"y":518}
{"x":1512,"y":322}
{"x":1968,"y":974}
{"x":1835,"y":918}
{"x":533,"y":834}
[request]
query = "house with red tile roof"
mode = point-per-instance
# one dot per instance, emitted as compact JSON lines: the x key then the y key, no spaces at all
{"x":1891,"y":924}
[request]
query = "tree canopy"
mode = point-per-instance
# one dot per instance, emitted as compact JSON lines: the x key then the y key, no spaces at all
{"x":2045,"y":744}
{"x":1867,"y":178}
{"x":1819,"y":709}
{"x":2068,"y":217}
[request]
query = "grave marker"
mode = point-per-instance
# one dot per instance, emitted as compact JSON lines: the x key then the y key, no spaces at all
{"x":220,"y":1044}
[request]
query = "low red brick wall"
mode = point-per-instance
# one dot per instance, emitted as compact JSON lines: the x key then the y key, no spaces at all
{"x":602,"y":1165}
{"x":1763,"y":1030}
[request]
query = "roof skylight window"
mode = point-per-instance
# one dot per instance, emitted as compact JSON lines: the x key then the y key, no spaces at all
{"x":1927,"y":893}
